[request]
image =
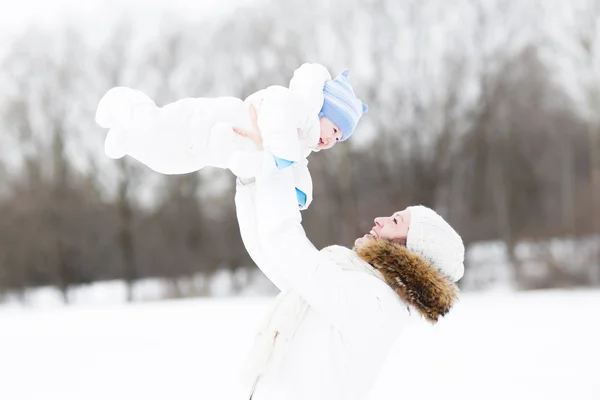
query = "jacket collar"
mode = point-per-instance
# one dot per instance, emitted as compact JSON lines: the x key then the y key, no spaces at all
{"x":414,"y":279}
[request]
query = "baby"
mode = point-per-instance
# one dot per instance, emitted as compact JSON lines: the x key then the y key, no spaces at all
{"x":312,"y":114}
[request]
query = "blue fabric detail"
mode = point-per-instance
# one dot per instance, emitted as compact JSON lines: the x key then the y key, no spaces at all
{"x":340,"y":104}
{"x":301,"y":196}
{"x":281,"y":163}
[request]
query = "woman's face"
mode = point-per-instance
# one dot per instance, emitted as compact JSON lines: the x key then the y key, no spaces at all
{"x":394,"y":227}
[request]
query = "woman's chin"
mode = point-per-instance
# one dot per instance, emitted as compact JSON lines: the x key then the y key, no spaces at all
{"x":361,"y":241}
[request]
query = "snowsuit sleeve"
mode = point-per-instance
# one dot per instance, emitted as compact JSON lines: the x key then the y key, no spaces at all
{"x":307,"y":83}
{"x":303,"y":184}
{"x":278,"y":119}
{"x":345,"y":299}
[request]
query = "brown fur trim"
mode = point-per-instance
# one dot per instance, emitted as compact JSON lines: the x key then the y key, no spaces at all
{"x":418,"y":282}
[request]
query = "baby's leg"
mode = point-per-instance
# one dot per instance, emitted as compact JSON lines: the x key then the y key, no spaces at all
{"x":179,"y":138}
{"x":114,"y":112}
{"x":163,"y":137}
{"x":114,"y":109}
{"x":223,"y":144}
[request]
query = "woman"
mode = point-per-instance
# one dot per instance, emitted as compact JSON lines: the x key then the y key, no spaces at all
{"x":340,"y":310}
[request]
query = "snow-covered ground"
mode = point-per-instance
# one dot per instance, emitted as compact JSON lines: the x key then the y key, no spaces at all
{"x":537,"y":345}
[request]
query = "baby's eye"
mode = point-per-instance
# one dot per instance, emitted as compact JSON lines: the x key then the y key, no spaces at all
{"x":334,"y":130}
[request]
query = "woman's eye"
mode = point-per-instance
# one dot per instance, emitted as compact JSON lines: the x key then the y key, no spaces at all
{"x":395,"y":221}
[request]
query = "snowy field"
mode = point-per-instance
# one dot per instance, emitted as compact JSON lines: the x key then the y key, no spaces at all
{"x":538,"y":345}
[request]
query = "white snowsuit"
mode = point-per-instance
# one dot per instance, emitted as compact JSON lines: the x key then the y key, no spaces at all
{"x":192,"y":133}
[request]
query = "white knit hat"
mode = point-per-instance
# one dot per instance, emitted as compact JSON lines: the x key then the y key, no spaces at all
{"x":430,"y":236}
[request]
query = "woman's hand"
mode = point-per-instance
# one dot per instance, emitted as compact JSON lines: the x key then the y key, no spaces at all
{"x":253,"y":133}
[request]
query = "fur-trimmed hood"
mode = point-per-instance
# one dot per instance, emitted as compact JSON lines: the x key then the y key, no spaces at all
{"x":418,"y":282}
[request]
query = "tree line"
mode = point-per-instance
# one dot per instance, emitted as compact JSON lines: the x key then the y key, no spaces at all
{"x":475,"y":109}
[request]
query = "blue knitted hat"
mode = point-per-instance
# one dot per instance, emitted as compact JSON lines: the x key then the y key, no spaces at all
{"x":341,"y":105}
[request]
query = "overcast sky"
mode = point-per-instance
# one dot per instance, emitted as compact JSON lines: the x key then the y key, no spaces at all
{"x":17,"y":15}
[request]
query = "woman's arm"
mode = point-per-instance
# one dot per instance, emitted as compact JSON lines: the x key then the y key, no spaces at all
{"x":272,"y":230}
{"x":245,"y":205}
{"x":345,"y":299}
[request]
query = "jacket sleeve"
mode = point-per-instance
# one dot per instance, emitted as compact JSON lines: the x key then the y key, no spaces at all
{"x":346,"y":299}
{"x":307,"y":83}
{"x":245,"y":204}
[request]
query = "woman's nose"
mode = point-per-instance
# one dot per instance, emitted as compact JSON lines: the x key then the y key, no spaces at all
{"x":378,"y":221}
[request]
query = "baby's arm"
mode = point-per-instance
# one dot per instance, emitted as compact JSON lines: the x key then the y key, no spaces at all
{"x":302,"y":178}
{"x":278,"y":121}
{"x":307,"y":83}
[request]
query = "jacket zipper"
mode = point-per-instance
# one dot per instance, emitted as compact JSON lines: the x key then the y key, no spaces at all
{"x":258,"y":377}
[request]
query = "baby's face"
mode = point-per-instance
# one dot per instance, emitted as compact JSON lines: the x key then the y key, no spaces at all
{"x":330,"y":134}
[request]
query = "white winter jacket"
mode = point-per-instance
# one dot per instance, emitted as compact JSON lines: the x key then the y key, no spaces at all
{"x":337,"y":316}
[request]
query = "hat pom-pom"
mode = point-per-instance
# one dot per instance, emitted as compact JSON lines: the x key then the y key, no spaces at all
{"x":365,"y":108}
